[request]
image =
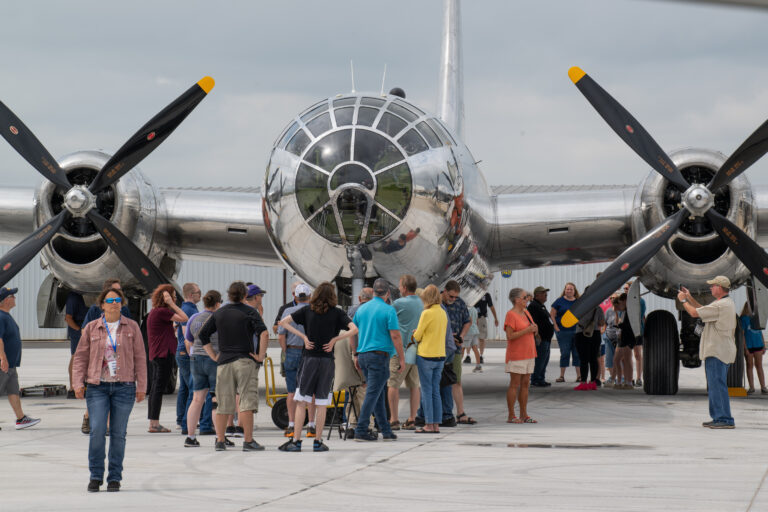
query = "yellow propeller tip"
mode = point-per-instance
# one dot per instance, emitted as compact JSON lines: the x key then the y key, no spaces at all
{"x":568,"y":320}
{"x":206,"y":84}
{"x":575,"y":74}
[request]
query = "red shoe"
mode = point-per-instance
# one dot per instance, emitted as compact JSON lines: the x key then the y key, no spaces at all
{"x":583,"y":386}
{"x":593,"y":386}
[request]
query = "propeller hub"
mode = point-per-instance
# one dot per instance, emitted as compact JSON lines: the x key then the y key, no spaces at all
{"x":698,"y":199}
{"x":79,"y":200}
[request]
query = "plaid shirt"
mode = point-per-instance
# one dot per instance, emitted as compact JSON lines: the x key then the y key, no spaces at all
{"x":458,"y":315}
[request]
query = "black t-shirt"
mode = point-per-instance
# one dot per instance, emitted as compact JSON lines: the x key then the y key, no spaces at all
{"x":541,"y":316}
{"x":483,"y":305}
{"x":236,"y":324}
{"x":321,"y":328}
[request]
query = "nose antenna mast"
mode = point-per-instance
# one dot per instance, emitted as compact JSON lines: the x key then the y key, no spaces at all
{"x":352,"y":72}
{"x":383,"y":77}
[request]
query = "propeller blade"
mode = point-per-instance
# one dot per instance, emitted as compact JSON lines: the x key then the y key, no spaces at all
{"x":17,"y":258}
{"x":26,"y":144}
{"x":132,"y":257}
{"x":151,"y":135}
{"x":752,"y":255}
{"x":625,"y":266}
{"x":750,"y":151}
{"x":627,"y":127}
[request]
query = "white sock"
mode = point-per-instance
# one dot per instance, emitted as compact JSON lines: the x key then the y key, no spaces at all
{"x":192,"y":436}
{"x":311,"y":424}
{"x":291,"y":424}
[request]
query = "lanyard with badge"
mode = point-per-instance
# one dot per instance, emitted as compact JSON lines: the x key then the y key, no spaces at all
{"x":111,"y":363}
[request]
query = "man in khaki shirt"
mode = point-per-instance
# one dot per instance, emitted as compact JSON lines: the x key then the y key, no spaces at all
{"x":717,"y":347}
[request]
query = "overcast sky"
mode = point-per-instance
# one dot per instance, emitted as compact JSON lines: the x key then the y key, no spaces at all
{"x":87,"y":74}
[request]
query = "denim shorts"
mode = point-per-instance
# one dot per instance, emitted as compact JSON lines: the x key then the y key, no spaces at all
{"x":203,"y":371}
{"x":292,"y":364}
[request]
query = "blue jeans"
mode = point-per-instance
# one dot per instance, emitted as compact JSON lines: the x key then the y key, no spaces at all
{"x":376,"y":371}
{"x":203,"y":372}
{"x":184,"y":395}
{"x":542,"y":360}
{"x":292,"y":363}
{"x":609,"y":352}
{"x":567,"y":347}
{"x":717,"y":388}
{"x":430,"y":373}
{"x":113,"y":399}
{"x":446,"y":397}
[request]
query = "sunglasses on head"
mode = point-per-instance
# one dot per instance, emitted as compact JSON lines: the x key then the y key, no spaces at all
{"x":113,"y":299}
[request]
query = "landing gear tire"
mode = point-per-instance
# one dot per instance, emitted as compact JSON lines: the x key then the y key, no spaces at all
{"x":661,"y":367}
{"x":280,"y":414}
{"x":735,"y":378}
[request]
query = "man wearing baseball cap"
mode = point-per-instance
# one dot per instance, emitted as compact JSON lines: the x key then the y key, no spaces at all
{"x":543,"y":320}
{"x":10,"y":357}
{"x":717,"y":347}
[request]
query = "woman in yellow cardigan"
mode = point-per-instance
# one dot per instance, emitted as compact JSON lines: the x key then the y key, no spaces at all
{"x":430,"y":357}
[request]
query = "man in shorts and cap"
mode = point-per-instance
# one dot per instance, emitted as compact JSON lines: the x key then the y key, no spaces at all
{"x":717,"y":347}
{"x":543,"y":320}
{"x":10,"y":357}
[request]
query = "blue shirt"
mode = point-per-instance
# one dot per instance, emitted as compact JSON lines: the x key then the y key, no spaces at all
{"x":753,"y":338}
{"x":76,"y":308}
{"x":408,"y":314}
{"x":375,"y":319}
{"x":458,"y":315}
{"x":9,"y":333}
{"x":291,"y":339}
{"x":190,"y":309}
{"x":94,"y":312}
{"x":561,"y":305}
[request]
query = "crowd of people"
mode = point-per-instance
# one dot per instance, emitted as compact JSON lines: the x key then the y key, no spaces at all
{"x":419,"y":339}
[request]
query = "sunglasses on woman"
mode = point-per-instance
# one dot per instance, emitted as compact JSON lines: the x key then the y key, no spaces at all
{"x":113,"y":299}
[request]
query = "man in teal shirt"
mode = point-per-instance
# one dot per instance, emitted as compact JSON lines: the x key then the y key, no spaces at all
{"x":408,"y":308}
{"x":378,"y":339}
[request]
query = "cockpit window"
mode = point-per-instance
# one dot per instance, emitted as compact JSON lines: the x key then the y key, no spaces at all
{"x":393,"y":189}
{"x":343,"y":102}
{"x":412,"y":108}
{"x":402,"y":112}
{"x":311,"y":190}
{"x":298,"y":143}
{"x":320,"y":124}
{"x":391,"y":125}
{"x":321,"y":107}
{"x":366,"y":116}
{"x":351,"y":173}
{"x":441,"y":133}
{"x":344,"y":116}
{"x":412,"y":142}
{"x":374,"y":102}
{"x":331,"y":150}
{"x":380,"y":225}
{"x":353,"y":207}
{"x":375,"y":151}
{"x":429,"y":134}
{"x":287,"y":134}
{"x":325,"y":224}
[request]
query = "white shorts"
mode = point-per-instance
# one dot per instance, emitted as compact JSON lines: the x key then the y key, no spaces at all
{"x":523,"y":366}
{"x":471,"y":341}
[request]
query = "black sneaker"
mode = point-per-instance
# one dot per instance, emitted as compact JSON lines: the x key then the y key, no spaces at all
{"x":311,"y":432}
{"x":450,"y":422}
{"x":319,"y":446}
{"x":231,"y":431}
{"x":252,"y":446}
{"x":228,"y":442}
{"x":239,"y":432}
{"x":207,"y":432}
{"x":350,"y":433}
{"x":288,"y":432}
{"x":482,"y":361}
{"x":467,"y":360}
{"x":721,"y":424}
{"x":113,"y":486}
{"x":191,"y":443}
{"x":390,"y":437}
{"x":368,"y":436}
{"x":93,"y":485}
{"x":220,"y":446}
{"x":290,"y":446}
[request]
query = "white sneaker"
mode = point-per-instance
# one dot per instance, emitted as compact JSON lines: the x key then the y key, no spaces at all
{"x":478,"y":369}
{"x":26,"y":422}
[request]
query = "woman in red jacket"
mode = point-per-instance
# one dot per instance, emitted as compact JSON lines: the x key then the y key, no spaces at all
{"x":110,"y":357}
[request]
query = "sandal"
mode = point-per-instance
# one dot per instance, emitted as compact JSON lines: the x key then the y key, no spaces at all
{"x":422,"y":431}
{"x":409,"y":425}
{"x":560,"y":379}
{"x":465,"y":420}
{"x":528,"y":419}
{"x":394,"y":425}
{"x":513,"y":419}
{"x":158,"y":430}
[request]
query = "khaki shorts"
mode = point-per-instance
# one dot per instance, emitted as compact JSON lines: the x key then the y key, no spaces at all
{"x":457,"y":365}
{"x":410,"y":375}
{"x":9,"y":382}
{"x":238,"y":377}
{"x":523,"y":366}
{"x":482,"y":326}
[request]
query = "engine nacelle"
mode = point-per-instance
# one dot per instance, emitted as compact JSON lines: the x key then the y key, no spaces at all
{"x":695,"y":253}
{"x":376,"y":174}
{"x":78,"y":256}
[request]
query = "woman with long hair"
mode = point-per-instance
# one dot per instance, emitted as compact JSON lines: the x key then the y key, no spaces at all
{"x":323,"y":323}
{"x":754,"y":348}
{"x":521,"y":354}
{"x":110,"y":357}
{"x":430,"y":357}
{"x":565,"y":335}
{"x":162,"y":341}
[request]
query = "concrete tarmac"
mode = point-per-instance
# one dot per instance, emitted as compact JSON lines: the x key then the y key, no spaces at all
{"x":605,"y":449}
